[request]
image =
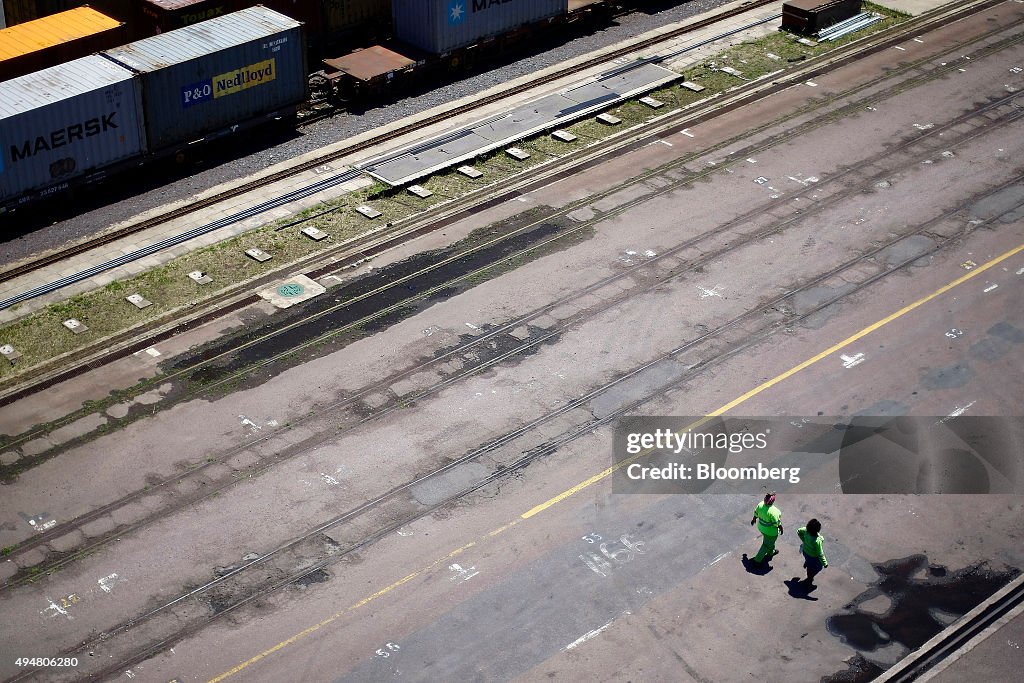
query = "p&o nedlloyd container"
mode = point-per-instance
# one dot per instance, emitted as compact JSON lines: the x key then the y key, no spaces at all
{"x":214,"y":77}
{"x":439,"y":26}
{"x":62,"y":123}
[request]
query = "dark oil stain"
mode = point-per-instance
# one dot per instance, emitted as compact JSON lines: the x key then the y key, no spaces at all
{"x":318,"y":576}
{"x":1007,"y":332}
{"x":859,"y":670}
{"x":951,"y":377}
{"x":219,"y":603}
{"x":405,"y":296}
{"x":916,"y":590}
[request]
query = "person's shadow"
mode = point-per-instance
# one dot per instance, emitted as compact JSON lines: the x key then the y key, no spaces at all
{"x":758,"y":568}
{"x":800,"y":590}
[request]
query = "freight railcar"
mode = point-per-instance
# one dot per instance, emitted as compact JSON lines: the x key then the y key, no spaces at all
{"x":59,"y":38}
{"x":95,"y":116}
{"x":449,"y":35}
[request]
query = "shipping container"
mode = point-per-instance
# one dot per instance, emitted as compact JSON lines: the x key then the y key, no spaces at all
{"x":363,"y":20}
{"x":811,"y":16}
{"x":308,"y":12}
{"x":154,"y":17}
{"x":439,"y":26}
{"x":19,"y":11}
{"x":209,"y":78}
{"x":62,"y":123}
{"x":56,"y":39}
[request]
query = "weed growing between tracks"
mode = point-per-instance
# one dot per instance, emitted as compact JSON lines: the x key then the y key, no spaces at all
{"x":223,"y":378}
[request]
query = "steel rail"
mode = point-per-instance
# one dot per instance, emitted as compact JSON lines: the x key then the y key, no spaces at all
{"x":528,"y":458}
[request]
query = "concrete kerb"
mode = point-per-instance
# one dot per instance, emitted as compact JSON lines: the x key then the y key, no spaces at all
{"x":951,"y":631}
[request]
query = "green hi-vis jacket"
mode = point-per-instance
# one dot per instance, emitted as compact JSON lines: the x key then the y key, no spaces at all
{"x":768,"y":518}
{"x":812,"y":545}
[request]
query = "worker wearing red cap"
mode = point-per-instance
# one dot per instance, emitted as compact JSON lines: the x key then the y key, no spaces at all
{"x":769,"y":522}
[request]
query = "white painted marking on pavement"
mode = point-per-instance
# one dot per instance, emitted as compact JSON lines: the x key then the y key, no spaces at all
{"x":851,"y":361}
{"x":247,"y":421}
{"x":55,"y":607}
{"x":718,"y":559}
{"x":990,"y":287}
{"x":153,"y":352}
{"x":714,"y":291}
{"x":1020,"y":272}
{"x":331,"y":481}
{"x":960,"y":411}
{"x":903,"y":49}
{"x":107,"y":583}
{"x":687,"y":133}
{"x":462,"y":573}
{"x":472,"y":326}
{"x":590,"y":634}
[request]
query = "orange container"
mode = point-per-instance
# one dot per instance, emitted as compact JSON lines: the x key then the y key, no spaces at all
{"x":58,"y":38}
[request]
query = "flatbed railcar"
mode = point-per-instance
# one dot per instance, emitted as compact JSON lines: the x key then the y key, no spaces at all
{"x":424,"y":46}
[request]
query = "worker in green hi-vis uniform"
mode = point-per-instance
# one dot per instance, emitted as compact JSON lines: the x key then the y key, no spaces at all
{"x":769,"y":522}
{"x":812,"y":549}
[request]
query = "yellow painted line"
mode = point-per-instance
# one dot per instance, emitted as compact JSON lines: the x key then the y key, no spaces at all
{"x":337,"y":615}
{"x":603,"y":474}
{"x":775,"y":380}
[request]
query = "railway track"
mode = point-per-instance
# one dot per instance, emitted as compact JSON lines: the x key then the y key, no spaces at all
{"x":229,"y":304}
{"x":60,"y":255}
{"x":732,"y":229}
{"x":172,"y":323}
{"x":306,"y":551}
{"x":315,"y":556}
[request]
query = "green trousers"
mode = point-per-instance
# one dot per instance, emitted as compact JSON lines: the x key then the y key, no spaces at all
{"x":767,"y":548}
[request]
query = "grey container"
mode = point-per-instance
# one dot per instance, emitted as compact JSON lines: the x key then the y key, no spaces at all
{"x":439,"y":26}
{"x":62,"y":123}
{"x":212,"y":77}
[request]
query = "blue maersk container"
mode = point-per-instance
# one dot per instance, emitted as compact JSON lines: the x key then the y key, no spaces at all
{"x":207,"y":78}
{"x":439,"y":26}
{"x":64,"y":123}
